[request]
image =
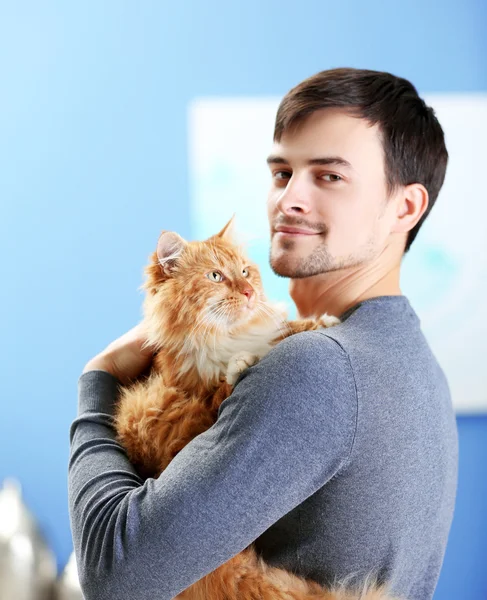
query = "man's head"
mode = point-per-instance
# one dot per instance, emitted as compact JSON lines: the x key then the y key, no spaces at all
{"x":358,"y":161}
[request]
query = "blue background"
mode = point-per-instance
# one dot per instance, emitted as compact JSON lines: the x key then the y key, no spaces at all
{"x":93,"y":154}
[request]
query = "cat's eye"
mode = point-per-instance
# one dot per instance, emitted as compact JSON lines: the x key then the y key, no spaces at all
{"x":215,"y":276}
{"x":245,"y":272}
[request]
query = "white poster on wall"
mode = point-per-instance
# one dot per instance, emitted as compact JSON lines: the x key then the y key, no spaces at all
{"x":445,"y":272}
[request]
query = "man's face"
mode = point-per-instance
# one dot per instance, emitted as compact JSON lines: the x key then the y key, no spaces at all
{"x":327,"y":205}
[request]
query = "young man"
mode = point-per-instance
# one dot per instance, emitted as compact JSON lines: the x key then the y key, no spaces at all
{"x":337,"y":452}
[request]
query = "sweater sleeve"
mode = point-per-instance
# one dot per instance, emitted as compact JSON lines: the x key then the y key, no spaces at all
{"x":286,"y":430}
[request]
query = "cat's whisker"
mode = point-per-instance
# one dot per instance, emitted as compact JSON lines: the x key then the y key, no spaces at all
{"x":211,"y":321}
{"x":220,"y":319}
{"x":282,"y":328}
{"x":273,"y":316}
{"x":221,"y":316}
{"x":279,"y":326}
{"x":203,"y":317}
{"x":225,"y":316}
{"x":207,"y":330}
{"x":200,"y":321}
{"x":218,"y":303}
{"x":224,"y":307}
{"x":211,"y":333}
{"x":272,"y":312}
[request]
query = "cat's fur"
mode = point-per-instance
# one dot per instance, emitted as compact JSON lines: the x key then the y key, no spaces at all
{"x":205,"y":335}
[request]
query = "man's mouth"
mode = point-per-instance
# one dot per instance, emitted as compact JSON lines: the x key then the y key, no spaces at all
{"x":294,"y":231}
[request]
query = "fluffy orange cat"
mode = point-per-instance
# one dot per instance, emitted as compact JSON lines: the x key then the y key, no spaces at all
{"x":206,"y":315}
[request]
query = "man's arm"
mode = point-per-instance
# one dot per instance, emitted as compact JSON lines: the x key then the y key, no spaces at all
{"x":287,"y":428}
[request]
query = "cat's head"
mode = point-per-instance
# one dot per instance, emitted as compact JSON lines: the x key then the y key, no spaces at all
{"x":202,"y":287}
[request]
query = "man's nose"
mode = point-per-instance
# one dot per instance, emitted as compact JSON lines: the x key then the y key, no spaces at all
{"x":293,"y":200}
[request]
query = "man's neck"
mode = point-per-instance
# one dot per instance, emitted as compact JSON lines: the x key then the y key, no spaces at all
{"x":335,"y":292}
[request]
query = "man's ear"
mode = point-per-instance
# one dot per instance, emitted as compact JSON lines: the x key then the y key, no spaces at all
{"x":169,"y":249}
{"x":227,"y":232}
{"x":412,"y":204}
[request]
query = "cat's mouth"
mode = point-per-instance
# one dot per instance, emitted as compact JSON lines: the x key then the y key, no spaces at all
{"x":229,"y":318}
{"x":244,"y":310}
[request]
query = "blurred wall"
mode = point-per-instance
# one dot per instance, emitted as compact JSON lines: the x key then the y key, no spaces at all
{"x":93,"y":154}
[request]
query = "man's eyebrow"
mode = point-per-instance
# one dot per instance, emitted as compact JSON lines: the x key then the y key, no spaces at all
{"x":327,"y":160}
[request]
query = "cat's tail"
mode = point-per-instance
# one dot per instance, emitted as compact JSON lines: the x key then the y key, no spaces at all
{"x":248,"y":577}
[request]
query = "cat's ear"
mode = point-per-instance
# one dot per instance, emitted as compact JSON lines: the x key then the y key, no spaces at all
{"x":228,"y":231}
{"x":169,"y":249}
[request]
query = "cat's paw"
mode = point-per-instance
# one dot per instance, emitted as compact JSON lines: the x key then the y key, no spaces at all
{"x":237,"y":365}
{"x":328,"y":320}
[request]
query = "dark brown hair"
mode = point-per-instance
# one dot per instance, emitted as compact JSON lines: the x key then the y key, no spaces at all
{"x":412,"y":138}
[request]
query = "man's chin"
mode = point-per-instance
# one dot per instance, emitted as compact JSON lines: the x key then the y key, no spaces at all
{"x":300,"y":267}
{"x":293,"y":258}
{"x":286,"y":268}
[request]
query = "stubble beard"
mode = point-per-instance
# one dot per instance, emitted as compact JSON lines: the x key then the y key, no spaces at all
{"x":285,"y":265}
{"x":318,"y":262}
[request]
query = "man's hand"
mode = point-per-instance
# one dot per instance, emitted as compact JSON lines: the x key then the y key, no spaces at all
{"x":125,"y":358}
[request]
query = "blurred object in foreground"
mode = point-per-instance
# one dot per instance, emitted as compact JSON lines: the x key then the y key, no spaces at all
{"x":68,"y":587}
{"x":27,"y":565}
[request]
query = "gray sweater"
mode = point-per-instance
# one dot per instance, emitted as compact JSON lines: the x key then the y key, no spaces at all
{"x":336,"y":453}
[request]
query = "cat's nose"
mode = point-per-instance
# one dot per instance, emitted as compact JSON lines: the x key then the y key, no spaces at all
{"x":249,"y":292}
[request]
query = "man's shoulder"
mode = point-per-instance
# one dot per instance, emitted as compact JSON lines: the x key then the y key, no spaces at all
{"x":311,"y":343}
{"x":306,"y":379}
{"x":309,"y":353}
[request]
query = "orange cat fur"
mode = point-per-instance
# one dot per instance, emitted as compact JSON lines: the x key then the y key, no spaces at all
{"x":207,"y":317}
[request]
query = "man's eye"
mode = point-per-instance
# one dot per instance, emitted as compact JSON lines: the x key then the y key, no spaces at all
{"x":215,"y":276}
{"x":281,"y":175}
{"x":332,"y":177}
